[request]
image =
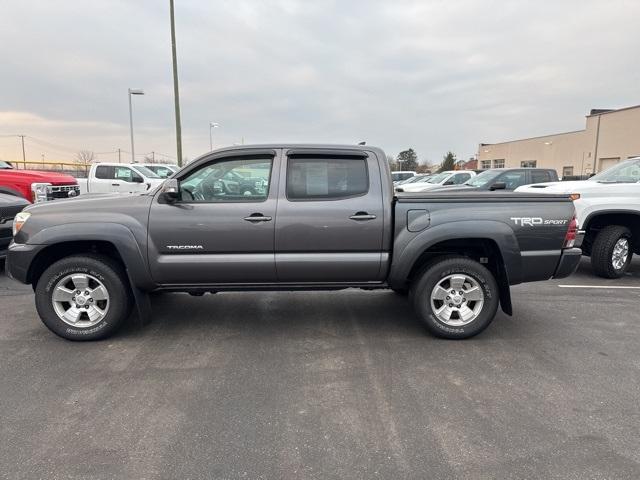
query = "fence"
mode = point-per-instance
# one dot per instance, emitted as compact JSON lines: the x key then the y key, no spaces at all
{"x":78,"y":170}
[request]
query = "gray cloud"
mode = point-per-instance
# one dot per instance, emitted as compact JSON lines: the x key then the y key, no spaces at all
{"x":433,"y":75}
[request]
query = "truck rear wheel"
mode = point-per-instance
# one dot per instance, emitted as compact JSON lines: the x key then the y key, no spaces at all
{"x":455,"y":297}
{"x":83,"y":297}
{"x":611,"y":252}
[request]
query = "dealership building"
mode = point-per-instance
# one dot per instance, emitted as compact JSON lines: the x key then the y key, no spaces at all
{"x":609,"y":137}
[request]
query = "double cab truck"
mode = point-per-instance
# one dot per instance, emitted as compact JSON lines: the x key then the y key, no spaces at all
{"x":317,"y":218}
{"x":107,"y":177}
{"x":608,"y":215}
{"x":36,"y":186}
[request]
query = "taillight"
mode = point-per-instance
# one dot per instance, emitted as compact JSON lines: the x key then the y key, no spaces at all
{"x":570,"y":237}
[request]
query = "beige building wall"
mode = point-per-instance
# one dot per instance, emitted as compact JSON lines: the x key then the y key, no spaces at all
{"x":607,"y":139}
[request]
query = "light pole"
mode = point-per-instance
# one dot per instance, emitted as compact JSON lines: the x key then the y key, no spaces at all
{"x":133,"y":91}
{"x":212,"y":125}
{"x":176,"y":90}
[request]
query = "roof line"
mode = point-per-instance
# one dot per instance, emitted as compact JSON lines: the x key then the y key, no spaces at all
{"x":614,"y":111}
{"x":533,"y":138}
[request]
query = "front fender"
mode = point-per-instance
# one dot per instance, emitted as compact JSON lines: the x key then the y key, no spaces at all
{"x":121,"y":237}
{"x":410,"y":246}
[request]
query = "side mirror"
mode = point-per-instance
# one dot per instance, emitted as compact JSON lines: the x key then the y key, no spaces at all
{"x":449,"y":182}
{"x":498,"y":186}
{"x":170,"y":191}
{"x":137,"y":179}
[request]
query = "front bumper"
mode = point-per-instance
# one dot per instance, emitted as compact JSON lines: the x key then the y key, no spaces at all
{"x":19,"y":257}
{"x":569,"y":261}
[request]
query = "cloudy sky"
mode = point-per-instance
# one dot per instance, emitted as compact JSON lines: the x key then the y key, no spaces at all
{"x":429,"y":74}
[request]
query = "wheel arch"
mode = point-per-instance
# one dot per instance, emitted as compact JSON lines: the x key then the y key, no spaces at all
{"x":492,"y":244}
{"x":596,"y":221}
{"x":113,"y":240}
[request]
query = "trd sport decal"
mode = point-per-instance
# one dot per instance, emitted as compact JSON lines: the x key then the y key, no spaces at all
{"x":533,"y":221}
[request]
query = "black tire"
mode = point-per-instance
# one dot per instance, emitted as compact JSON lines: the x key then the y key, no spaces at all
{"x":107,"y":271}
{"x":438,"y":271}
{"x":602,"y":251}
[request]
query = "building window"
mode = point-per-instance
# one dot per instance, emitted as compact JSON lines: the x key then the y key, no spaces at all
{"x":567,"y":171}
{"x":498,"y":163}
{"x":529,"y":164}
{"x":485,"y":164}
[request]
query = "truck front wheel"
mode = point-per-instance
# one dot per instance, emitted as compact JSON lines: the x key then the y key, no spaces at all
{"x":83,"y":297}
{"x":455,"y":297}
{"x":611,"y":252}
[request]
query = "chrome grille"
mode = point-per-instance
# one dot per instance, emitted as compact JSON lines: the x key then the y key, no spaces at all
{"x":62,"y":191}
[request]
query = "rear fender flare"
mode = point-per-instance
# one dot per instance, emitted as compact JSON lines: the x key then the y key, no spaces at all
{"x":499,"y":232}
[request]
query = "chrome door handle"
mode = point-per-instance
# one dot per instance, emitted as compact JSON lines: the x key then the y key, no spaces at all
{"x":362,"y":216}
{"x":255,"y":218}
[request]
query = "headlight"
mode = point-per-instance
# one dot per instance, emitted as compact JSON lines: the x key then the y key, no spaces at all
{"x":19,"y":221}
{"x":39,"y":192}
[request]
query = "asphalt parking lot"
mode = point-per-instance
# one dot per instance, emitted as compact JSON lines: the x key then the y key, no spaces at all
{"x":329,"y":385}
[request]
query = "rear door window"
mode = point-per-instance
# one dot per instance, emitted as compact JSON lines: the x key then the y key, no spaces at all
{"x":326,"y":178}
{"x":105,"y":172}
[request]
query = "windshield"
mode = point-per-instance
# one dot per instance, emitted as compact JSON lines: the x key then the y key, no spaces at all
{"x":483,"y":178}
{"x":145,"y":171}
{"x":163,"y":171}
{"x":438,"y":178}
{"x":625,"y":172}
{"x":417,"y":178}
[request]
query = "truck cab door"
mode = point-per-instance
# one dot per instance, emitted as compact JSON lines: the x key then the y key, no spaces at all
{"x":221,"y":231}
{"x":329,"y":226}
{"x":126,"y":180}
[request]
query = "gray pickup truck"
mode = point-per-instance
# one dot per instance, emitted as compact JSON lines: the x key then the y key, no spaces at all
{"x":288,"y":217}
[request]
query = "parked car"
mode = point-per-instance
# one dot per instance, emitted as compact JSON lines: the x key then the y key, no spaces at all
{"x":36,"y":186}
{"x":451,"y":177}
{"x":400,"y":175}
{"x":506,"y":179}
{"x":119,"y":178}
{"x":163,"y":170}
{"x":608,"y":214}
{"x":10,"y":206}
{"x":416,"y":178}
{"x":327,"y":219}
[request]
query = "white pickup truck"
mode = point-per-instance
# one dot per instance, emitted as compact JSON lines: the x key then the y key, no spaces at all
{"x":608,"y":214}
{"x":118,"y":178}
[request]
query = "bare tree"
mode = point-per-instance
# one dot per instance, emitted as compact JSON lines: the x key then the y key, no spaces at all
{"x":85,"y":156}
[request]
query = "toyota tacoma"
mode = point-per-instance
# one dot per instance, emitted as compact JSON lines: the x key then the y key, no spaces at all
{"x":316,"y":218}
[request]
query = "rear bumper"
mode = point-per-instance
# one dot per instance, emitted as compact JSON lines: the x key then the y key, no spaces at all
{"x":579,"y":239}
{"x":569,"y":261}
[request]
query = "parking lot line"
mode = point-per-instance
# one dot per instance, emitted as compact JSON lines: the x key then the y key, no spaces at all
{"x":609,"y":287}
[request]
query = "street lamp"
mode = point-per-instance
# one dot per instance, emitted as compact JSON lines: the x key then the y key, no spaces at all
{"x":133,"y":91}
{"x":212,"y":125}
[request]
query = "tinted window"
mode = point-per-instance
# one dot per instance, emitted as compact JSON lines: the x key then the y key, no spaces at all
{"x":540,"y":176}
{"x":513,"y":180}
{"x":397,"y":177}
{"x":461,"y":178}
{"x":319,"y":178}
{"x":237,"y":180}
{"x":104,"y":172}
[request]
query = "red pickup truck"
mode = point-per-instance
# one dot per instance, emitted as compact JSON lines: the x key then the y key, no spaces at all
{"x":36,"y":186}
